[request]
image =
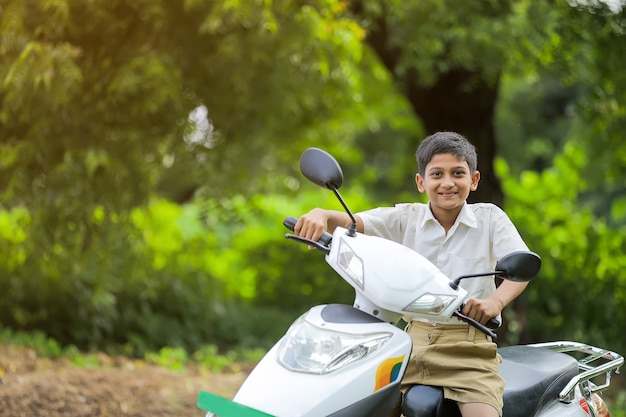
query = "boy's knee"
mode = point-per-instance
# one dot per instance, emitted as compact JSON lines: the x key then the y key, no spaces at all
{"x":478,"y":410}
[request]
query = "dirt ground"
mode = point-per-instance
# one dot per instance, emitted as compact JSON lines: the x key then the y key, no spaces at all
{"x":31,"y":386}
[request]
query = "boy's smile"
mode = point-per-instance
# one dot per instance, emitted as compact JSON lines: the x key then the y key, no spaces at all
{"x":447,"y":182}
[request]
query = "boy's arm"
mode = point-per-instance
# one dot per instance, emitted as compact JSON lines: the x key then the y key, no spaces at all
{"x":317,"y":221}
{"x":484,"y":309}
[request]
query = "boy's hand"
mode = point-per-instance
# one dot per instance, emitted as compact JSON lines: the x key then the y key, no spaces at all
{"x":312,"y":224}
{"x":482,"y":310}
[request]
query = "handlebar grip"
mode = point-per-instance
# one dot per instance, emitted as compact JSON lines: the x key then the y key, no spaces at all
{"x":476,"y":324}
{"x":290,"y":223}
{"x":493,"y":324}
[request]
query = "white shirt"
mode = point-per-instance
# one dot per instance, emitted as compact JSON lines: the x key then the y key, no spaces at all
{"x":480,"y":236}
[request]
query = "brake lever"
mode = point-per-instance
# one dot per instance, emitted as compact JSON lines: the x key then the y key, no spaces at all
{"x":476,"y":324}
{"x":309,"y":242}
{"x":324,"y":240}
{"x":493,"y":323}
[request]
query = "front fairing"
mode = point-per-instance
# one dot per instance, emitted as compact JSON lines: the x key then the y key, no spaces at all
{"x":274,"y":389}
{"x":392,"y":280}
{"x":389,"y":279}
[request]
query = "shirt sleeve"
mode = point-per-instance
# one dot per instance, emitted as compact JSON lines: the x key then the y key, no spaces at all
{"x":504,"y":235}
{"x":385,"y":222}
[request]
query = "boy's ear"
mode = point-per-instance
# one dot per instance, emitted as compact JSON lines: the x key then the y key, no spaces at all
{"x":475,"y":179}
{"x":420,"y":183}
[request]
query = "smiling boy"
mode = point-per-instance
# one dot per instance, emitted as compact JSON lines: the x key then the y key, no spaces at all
{"x":460,"y":239}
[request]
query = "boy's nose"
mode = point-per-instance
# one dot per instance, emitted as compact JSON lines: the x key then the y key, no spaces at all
{"x":448,"y":182}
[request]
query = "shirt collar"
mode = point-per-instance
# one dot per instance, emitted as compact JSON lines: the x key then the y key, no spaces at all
{"x":466,"y":216}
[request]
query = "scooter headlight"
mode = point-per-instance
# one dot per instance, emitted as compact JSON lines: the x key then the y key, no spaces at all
{"x":351,"y":263}
{"x":430,"y":304}
{"x":311,"y":349}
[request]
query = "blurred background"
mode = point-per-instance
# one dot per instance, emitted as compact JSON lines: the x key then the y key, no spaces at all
{"x":149,"y":151}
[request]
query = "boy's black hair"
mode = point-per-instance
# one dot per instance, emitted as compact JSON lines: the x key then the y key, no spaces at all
{"x":446,"y":142}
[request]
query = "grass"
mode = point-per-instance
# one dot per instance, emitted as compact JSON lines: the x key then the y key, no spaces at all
{"x":207,"y":359}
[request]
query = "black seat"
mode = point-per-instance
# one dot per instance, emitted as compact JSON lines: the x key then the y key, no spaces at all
{"x":427,"y":401}
{"x":534,"y":378}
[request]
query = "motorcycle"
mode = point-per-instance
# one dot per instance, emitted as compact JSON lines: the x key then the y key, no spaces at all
{"x":340,"y":360}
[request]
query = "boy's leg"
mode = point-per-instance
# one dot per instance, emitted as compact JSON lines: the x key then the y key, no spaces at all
{"x":477,"y":410}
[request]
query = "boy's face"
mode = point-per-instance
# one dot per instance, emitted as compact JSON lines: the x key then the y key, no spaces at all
{"x":447,"y":182}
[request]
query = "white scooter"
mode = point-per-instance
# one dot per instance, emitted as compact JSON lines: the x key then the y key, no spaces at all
{"x":338,"y":360}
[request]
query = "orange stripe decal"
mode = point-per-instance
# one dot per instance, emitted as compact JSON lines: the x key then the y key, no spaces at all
{"x":388,"y":371}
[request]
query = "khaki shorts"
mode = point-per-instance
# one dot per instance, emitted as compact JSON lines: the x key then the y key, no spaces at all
{"x":459,"y":358}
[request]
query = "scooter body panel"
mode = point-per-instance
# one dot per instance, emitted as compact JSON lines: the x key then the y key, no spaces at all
{"x":559,"y":409}
{"x":390,"y":284}
{"x":305,"y":395}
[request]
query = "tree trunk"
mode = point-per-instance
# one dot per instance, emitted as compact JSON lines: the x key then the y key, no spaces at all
{"x":460,"y":100}
{"x":449,"y":105}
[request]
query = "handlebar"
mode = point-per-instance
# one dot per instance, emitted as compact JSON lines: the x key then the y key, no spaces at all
{"x":476,"y":324}
{"x":290,"y":223}
{"x":323,"y":244}
{"x":492,"y":323}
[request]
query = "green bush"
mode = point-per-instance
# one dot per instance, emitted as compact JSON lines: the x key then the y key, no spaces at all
{"x":580,"y":292}
{"x":210,"y":272}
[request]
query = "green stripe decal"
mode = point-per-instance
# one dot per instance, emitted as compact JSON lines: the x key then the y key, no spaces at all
{"x":223,"y":407}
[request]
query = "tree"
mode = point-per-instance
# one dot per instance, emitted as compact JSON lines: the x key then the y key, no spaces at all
{"x":448,"y":58}
{"x":101,"y":99}
{"x":108,"y":87}
{"x":105,"y":103}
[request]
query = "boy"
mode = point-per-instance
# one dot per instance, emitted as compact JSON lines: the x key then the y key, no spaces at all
{"x":460,"y":239}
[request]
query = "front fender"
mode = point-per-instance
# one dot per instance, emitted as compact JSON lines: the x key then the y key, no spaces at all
{"x":224,"y":407}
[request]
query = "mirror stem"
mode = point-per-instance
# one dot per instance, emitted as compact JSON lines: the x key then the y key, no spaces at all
{"x":352,"y":228}
{"x":455,"y":283}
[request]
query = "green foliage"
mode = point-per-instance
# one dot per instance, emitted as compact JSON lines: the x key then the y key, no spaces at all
{"x":170,"y":358}
{"x":210,"y":359}
{"x":38,"y":341}
{"x":178,"y":276}
{"x":102,"y":103}
{"x":14,"y":228}
{"x":580,"y":293}
{"x":207,"y":358}
{"x":83,"y":360}
{"x":571,"y":94}
{"x":535,"y":119}
{"x":582,"y":283}
{"x":617,"y":404}
{"x":430,"y":38}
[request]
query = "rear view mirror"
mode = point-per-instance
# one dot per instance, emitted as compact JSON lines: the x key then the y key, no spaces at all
{"x":519,"y":266}
{"x":321,"y":168}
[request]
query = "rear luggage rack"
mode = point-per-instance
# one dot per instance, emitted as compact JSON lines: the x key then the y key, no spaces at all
{"x":608,"y":362}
